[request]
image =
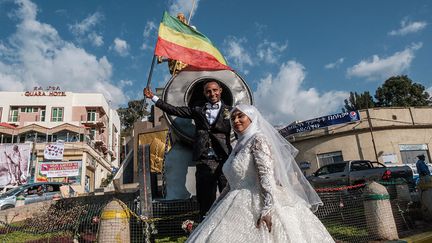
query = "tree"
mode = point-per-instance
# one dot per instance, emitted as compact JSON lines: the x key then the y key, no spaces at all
{"x":402,"y":92}
{"x":135,"y":111}
{"x":358,"y":101}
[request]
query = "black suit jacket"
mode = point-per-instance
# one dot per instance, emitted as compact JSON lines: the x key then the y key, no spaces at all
{"x":218,"y":134}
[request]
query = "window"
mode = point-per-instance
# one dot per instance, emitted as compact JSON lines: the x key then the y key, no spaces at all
{"x":360,"y":165}
{"x":57,"y":114}
{"x":52,"y":188}
{"x":42,"y":115}
{"x":13,"y":115}
{"x":329,"y":158}
{"x":332,"y":168}
{"x":91,"y":115}
{"x":92,"y":133}
{"x":29,"y":109}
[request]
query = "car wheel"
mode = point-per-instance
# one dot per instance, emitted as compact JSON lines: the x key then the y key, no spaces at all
{"x":7,"y":206}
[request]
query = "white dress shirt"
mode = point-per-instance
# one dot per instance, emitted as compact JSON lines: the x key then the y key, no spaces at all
{"x":211,"y":114}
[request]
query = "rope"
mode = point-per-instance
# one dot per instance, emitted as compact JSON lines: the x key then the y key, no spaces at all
{"x":335,"y":189}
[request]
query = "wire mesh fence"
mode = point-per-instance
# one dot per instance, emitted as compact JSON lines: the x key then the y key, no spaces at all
{"x":81,"y":219}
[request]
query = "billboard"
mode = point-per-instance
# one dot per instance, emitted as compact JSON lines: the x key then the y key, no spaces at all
{"x":64,"y":171}
{"x":14,"y":163}
{"x":320,"y":122}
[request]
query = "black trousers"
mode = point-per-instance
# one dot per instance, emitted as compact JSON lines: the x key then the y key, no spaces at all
{"x":208,"y":178}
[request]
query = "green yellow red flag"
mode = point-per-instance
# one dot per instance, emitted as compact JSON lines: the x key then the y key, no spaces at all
{"x":179,"y":41}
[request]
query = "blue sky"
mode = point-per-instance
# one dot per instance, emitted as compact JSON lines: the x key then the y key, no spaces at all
{"x":300,"y":58}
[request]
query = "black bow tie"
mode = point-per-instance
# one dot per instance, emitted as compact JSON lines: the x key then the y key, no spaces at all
{"x":212,"y":106}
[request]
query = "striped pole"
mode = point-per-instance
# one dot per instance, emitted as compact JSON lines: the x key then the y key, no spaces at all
{"x":379,"y":216}
{"x":114,"y":223}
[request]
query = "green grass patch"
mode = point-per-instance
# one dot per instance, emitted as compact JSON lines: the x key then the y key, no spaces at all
{"x":342,"y":231}
{"x":179,"y":239}
{"x":18,"y":236}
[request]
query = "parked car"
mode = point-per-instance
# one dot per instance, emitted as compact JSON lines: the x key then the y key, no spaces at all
{"x":357,"y":171}
{"x":33,"y":192}
{"x":6,"y":188}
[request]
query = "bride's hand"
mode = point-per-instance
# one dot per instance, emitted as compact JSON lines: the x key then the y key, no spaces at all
{"x":267,"y":220}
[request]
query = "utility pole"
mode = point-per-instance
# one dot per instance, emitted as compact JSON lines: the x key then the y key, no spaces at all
{"x":372,"y":135}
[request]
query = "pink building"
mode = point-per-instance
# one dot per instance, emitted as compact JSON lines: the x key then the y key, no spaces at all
{"x":85,"y":122}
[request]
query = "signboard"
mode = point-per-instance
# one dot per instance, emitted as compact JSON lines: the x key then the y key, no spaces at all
{"x":65,"y":171}
{"x":320,"y":122}
{"x":49,"y":91}
{"x":409,"y":147}
{"x":389,"y":158}
{"x":14,"y":163}
{"x":54,"y":151}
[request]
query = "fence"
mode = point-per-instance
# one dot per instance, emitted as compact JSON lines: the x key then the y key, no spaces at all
{"x":78,"y":219}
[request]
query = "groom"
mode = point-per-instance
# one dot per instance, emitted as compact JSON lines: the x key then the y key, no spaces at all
{"x":211,"y":145}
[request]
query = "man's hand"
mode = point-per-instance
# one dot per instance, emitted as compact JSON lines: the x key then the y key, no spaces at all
{"x":267,"y":220}
{"x":148,"y":93}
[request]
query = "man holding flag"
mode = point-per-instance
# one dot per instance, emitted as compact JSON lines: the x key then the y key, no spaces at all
{"x":211,"y":147}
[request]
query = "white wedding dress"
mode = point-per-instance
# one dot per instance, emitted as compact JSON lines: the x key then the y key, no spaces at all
{"x":252,"y":192}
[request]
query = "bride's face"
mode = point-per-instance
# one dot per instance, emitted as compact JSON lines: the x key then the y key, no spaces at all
{"x":240,"y":121}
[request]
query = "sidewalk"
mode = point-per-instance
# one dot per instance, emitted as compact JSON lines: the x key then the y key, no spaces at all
{"x":425,"y":237}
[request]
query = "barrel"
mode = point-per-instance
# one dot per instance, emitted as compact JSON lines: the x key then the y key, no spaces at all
{"x":186,"y":89}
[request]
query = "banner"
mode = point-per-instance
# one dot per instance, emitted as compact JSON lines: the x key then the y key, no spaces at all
{"x":54,"y":151}
{"x":59,"y":169}
{"x":320,"y":122}
{"x":14,"y":163}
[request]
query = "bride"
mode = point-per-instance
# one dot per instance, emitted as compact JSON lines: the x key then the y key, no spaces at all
{"x":267,"y":198}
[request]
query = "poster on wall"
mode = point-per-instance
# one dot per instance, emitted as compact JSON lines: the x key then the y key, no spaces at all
{"x":65,"y":171}
{"x":54,"y":151}
{"x":14,"y":163}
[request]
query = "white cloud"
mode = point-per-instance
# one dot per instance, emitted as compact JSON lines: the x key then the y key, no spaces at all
{"x":429,"y":90}
{"x":42,"y":58}
{"x":182,"y":6}
{"x":237,"y":54}
{"x":96,"y":40}
{"x":149,"y":30}
{"x":378,"y":68}
{"x":83,"y":30}
{"x":121,"y":47}
{"x":335,"y":64}
{"x":270,"y":52}
{"x":408,"y":27}
{"x":124,"y":83}
{"x":282,"y":99}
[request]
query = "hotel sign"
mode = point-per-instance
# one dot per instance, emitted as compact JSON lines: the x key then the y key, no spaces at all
{"x":49,"y":91}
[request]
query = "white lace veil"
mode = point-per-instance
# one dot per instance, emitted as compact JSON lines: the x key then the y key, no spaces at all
{"x":286,"y":171}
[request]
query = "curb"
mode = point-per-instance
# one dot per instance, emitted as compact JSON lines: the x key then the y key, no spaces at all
{"x":418,"y":238}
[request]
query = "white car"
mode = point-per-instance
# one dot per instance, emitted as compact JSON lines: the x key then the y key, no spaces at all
{"x":32,"y":193}
{"x":7,"y":188}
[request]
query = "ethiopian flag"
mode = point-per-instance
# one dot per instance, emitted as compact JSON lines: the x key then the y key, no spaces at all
{"x":178,"y":41}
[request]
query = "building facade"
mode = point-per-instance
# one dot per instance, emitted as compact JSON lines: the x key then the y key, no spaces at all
{"x":392,"y":136}
{"x":84,"y":123}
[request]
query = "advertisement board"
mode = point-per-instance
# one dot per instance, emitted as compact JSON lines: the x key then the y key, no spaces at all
{"x":65,"y":171}
{"x":14,"y":163}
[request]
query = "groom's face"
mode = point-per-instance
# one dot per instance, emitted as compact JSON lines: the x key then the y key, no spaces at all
{"x":212,"y":92}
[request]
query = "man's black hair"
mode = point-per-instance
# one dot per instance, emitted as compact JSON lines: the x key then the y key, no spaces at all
{"x":212,"y":81}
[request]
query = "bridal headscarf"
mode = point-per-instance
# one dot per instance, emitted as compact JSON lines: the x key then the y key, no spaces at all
{"x":286,"y":171}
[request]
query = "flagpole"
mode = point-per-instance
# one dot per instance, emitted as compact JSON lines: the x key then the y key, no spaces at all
{"x":151,"y":72}
{"x":190,"y":14}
